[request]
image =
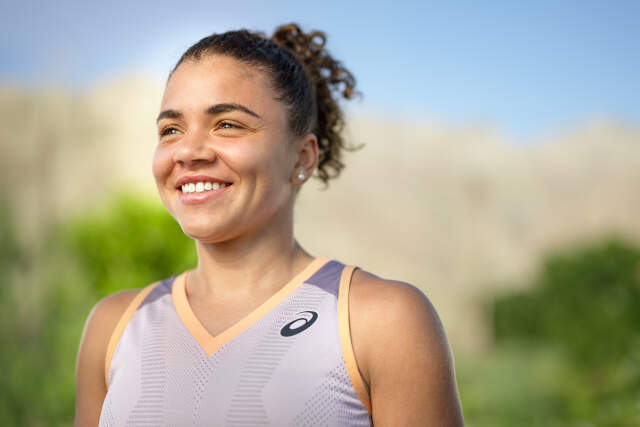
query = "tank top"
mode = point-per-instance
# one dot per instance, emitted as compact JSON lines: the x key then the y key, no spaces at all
{"x":289,"y":362}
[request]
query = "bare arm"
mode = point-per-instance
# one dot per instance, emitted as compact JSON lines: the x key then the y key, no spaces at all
{"x":403,"y":354}
{"x":90,"y":370}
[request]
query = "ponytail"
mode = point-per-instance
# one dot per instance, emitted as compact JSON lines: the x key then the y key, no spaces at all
{"x":327,"y":77}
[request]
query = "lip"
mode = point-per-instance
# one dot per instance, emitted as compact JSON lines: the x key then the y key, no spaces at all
{"x":197,"y":178}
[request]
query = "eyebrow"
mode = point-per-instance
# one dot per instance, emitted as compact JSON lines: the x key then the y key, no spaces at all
{"x":169,"y":114}
{"x":224,"y":108}
{"x":212,"y":110}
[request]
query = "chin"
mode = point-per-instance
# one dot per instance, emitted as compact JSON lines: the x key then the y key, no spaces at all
{"x":204,"y":231}
{"x":196,"y":231}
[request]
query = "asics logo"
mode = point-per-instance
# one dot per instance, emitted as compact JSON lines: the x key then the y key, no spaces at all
{"x":298,"y":325}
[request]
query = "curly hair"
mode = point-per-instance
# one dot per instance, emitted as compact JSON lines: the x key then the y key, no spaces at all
{"x":305,"y":77}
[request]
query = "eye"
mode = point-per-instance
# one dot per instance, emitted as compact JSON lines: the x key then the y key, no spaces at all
{"x":229,"y":129}
{"x":169,"y":130}
{"x":227,"y":125}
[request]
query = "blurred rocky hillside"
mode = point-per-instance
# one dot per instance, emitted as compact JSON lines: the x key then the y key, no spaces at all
{"x":456,"y":211}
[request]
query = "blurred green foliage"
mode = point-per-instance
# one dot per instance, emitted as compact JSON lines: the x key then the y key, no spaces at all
{"x":46,"y":295}
{"x":568,"y":348}
{"x":128,"y":243}
{"x":566,"y":353}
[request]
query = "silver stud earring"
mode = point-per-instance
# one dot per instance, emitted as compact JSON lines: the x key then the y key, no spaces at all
{"x":301,"y":175}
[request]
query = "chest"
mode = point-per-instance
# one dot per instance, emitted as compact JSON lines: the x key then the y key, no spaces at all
{"x":219,"y":315}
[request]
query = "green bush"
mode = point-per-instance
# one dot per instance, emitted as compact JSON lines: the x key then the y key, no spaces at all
{"x":45,"y":297}
{"x":129,"y":243}
{"x":584,"y":307}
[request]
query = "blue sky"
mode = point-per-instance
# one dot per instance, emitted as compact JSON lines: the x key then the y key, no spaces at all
{"x":526,"y":68}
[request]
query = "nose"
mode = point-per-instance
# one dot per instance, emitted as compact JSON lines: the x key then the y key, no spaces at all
{"x":194,"y":147}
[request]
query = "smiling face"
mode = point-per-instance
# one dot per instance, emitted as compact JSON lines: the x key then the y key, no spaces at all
{"x":220,"y":127}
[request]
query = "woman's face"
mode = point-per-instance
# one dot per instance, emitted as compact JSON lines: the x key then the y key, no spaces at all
{"x":223,"y":133}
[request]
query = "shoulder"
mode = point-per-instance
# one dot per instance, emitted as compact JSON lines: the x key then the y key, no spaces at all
{"x":370,"y":294}
{"x":100,"y":324}
{"x":105,"y":316}
{"x":91,"y":387}
{"x":108,"y":310}
{"x":382,"y":309}
{"x":402,"y":352}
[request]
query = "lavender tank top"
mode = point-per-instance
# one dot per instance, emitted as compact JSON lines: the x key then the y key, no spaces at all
{"x":290,"y":362}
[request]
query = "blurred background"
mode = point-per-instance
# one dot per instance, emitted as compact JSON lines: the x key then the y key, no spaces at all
{"x":500,"y":173}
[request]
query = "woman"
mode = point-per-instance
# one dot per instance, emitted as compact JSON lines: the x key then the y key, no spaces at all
{"x":260,"y":332}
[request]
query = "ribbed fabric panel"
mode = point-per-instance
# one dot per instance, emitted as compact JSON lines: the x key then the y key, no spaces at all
{"x":160,"y":375}
{"x":106,"y":417}
{"x":333,"y":403}
{"x":203,"y":370}
{"x":148,"y":410}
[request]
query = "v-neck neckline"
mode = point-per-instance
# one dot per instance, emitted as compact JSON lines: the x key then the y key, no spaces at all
{"x":212,"y":343}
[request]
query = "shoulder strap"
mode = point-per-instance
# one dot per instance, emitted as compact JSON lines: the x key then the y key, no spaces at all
{"x":345,"y":337}
{"x":122,"y":324}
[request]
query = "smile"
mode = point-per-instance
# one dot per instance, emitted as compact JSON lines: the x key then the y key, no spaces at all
{"x":202,"y":186}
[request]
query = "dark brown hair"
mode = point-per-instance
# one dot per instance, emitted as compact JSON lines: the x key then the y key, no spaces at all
{"x":305,"y":77}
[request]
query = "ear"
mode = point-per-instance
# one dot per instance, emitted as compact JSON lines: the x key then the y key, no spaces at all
{"x":307,"y":158}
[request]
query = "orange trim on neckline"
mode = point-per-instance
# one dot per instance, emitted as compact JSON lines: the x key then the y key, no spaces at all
{"x":209,"y":343}
{"x":122,"y":324}
{"x":345,"y":338}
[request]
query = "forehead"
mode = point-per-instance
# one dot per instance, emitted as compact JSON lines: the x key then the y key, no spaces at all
{"x":219,"y":79}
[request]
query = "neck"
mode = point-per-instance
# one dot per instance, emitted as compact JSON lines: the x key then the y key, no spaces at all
{"x":260,"y":262}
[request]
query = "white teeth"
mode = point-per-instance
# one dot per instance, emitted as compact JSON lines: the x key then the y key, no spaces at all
{"x":199,"y":187}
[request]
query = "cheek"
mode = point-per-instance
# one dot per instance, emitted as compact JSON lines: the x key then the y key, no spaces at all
{"x":247,"y":159}
{"x":273,"y":167}
{"x":161,"y":164}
